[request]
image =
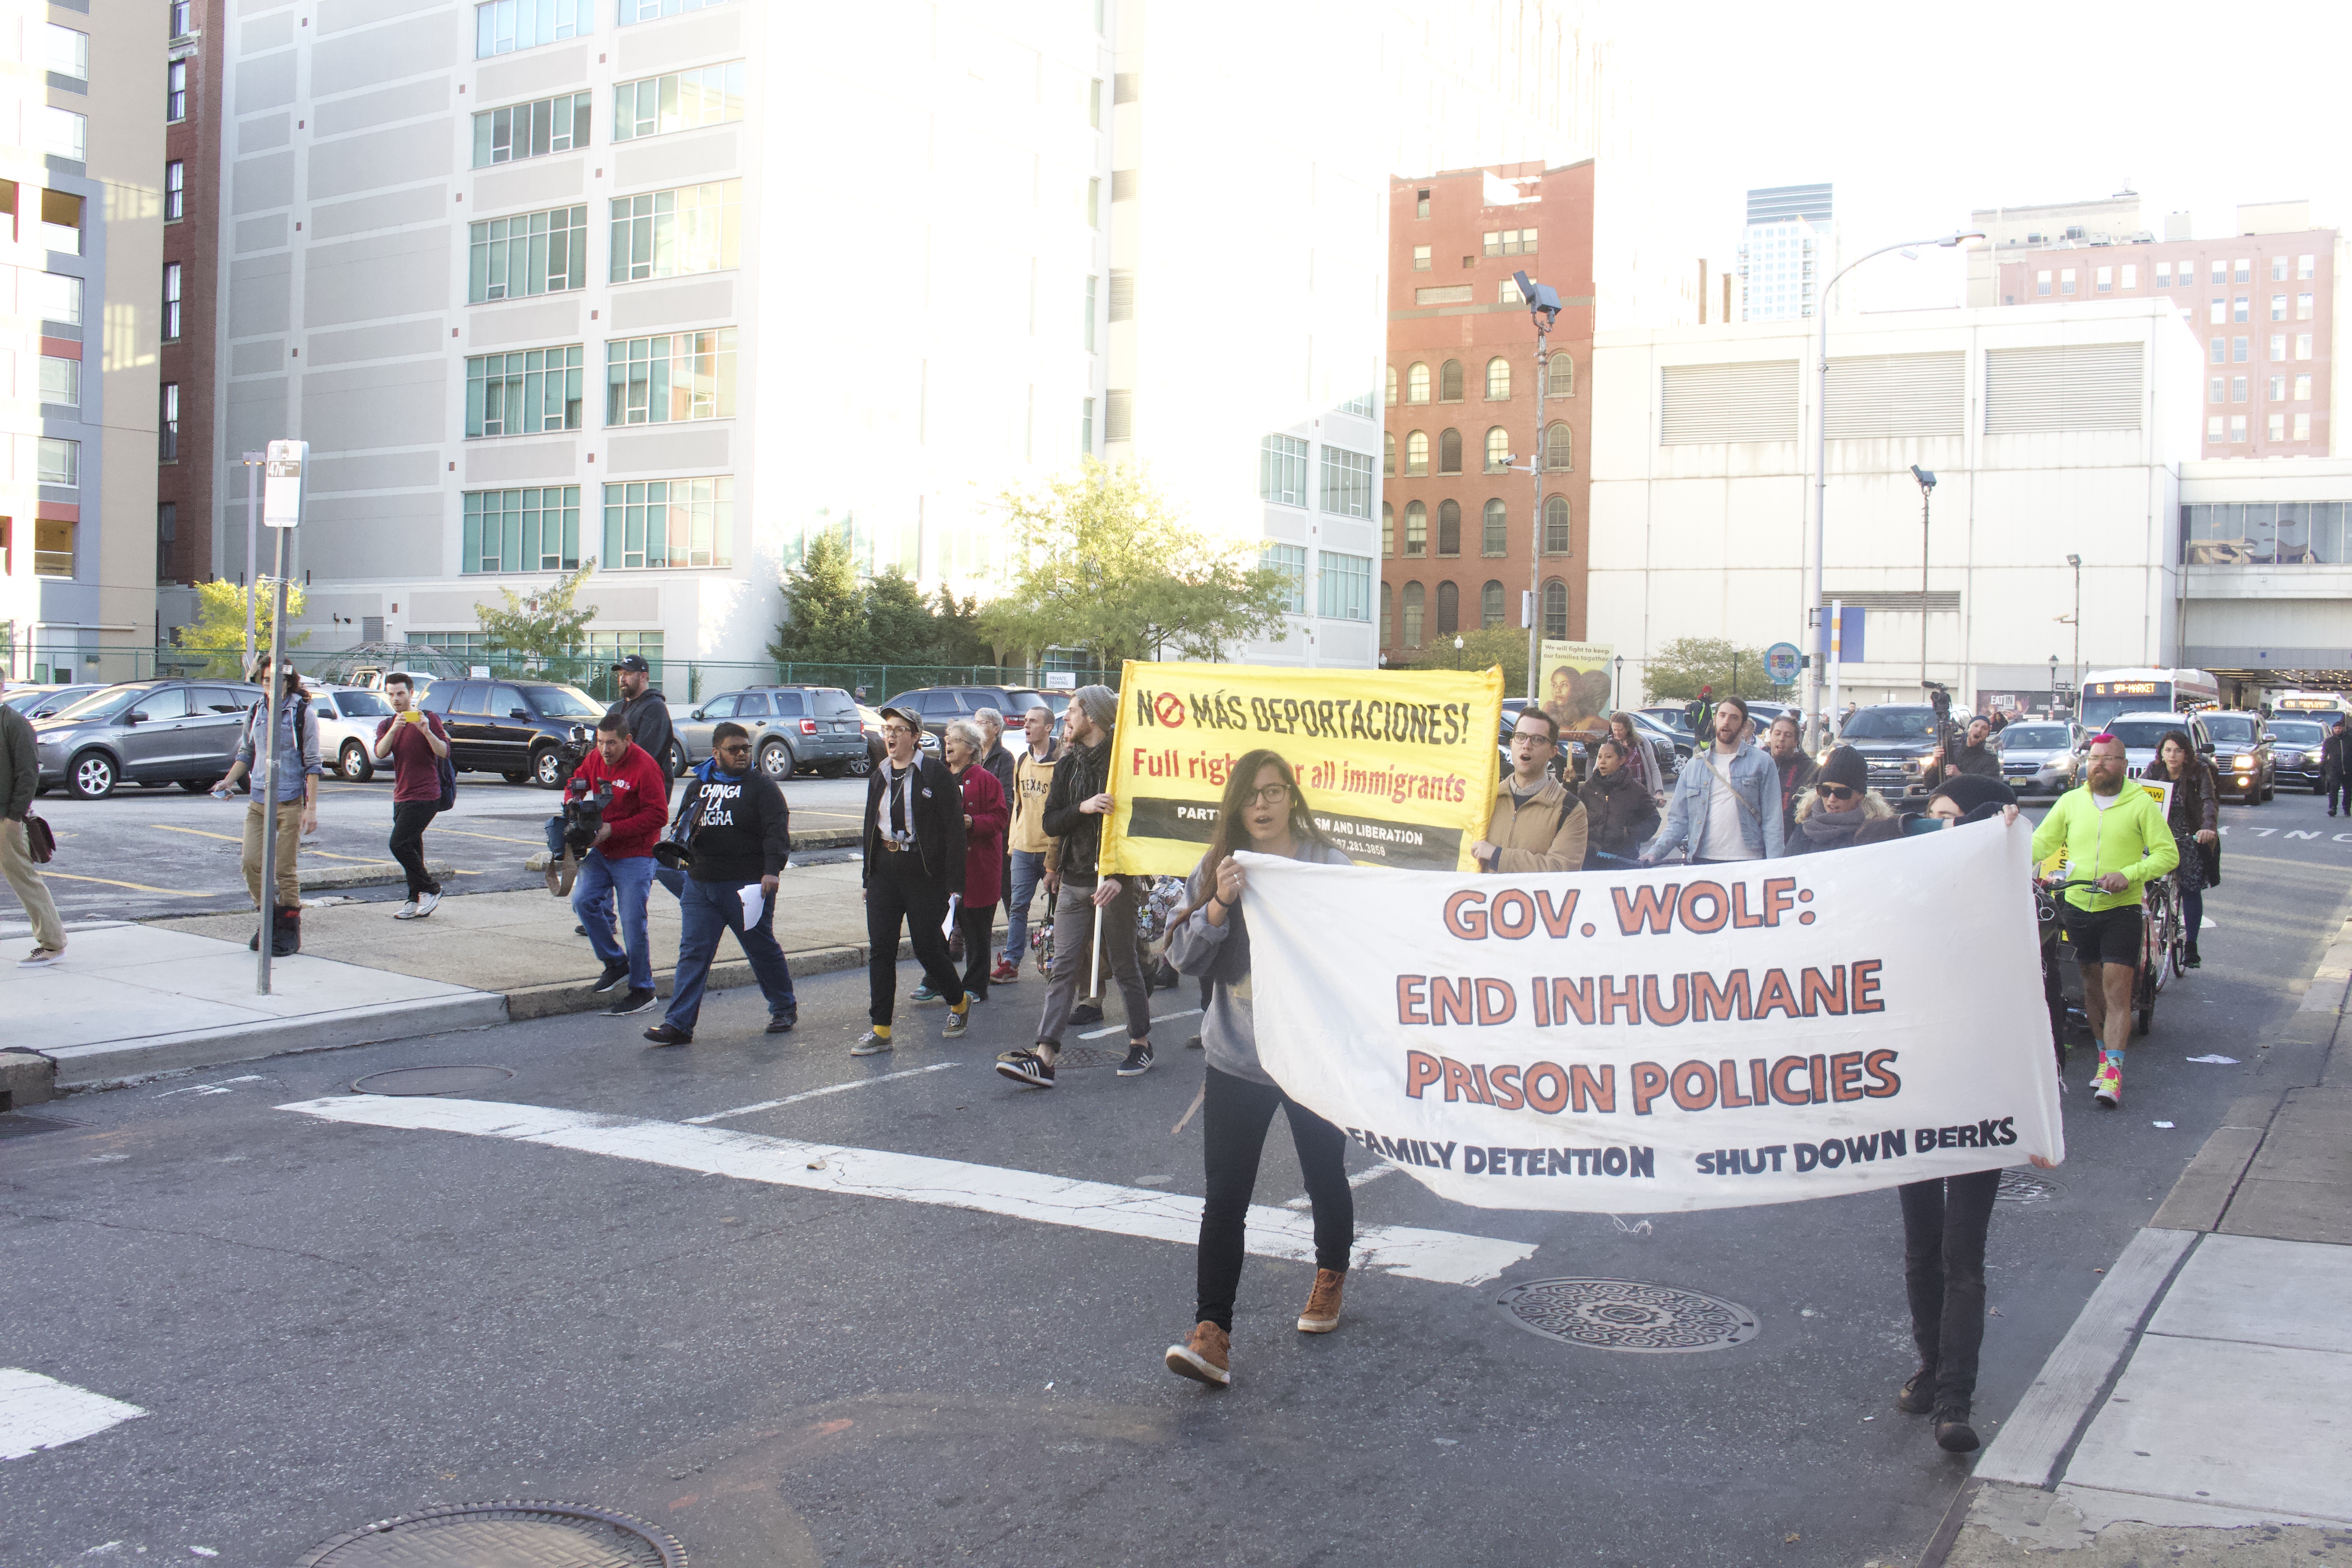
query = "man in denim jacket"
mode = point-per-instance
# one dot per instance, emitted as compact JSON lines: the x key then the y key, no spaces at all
{"x":1726,"y":802}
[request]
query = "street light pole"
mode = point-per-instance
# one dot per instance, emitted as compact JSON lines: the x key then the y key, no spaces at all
{"x":1821,"y":477}
{"x":1926,"y":493}
{"x":1543,"y":308}
{"x":2077,"y":563}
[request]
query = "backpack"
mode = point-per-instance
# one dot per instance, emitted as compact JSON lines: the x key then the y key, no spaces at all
{"x":445,"y":767}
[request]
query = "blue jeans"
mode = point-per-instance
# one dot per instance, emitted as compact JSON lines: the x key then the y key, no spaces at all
{"x":673,"y":881}
{"x":603,"y":883}
{"x":705,"y":910}
{"x":1028,"y":874}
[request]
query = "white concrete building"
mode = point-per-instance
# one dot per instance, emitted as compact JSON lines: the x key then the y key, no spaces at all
{"x":2051,"y":431}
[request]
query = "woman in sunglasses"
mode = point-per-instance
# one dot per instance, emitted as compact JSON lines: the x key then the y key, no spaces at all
{"x":1839,"y":811}
{"x":1263,"y":812}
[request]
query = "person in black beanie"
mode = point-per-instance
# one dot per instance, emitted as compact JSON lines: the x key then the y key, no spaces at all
{"x":1839,"y":811}
{"x":1972,"y":797}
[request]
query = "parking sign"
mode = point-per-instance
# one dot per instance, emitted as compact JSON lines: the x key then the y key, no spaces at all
{"x":281,"y":487}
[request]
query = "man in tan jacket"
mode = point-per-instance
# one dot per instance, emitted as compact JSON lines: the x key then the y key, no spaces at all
{"x":1539,"y":822}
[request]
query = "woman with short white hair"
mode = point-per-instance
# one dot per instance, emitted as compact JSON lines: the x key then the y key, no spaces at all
{"x":985,"y":816}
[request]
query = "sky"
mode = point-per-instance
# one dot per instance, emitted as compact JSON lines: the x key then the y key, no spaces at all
{"x":1919,"y":114}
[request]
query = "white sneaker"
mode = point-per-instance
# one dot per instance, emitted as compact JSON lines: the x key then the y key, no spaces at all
{"x":41,"y":958}
{"x":406,"y":911}
{"x":426,"y":904}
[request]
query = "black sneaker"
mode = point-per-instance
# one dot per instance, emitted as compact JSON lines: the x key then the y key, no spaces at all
{"x":670,"y":1035}
{"x":1917,"y":1396}
{"x":1028,"y":1067}
{"x":1139,"y":1059}
{"x":783,"y":1023}
{"x":1086,"y":1013}
{"x":635,"y":999}
{"x":1953,"y":1433}
{"x":1192,"y":1042}
{"x":615,"y":974}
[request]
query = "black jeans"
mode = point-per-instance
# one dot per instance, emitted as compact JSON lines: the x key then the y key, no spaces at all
{"x":979,"y":927}
{"x":1944,"y":1225}
{"x":409,"y":820}
{"x":2339,"y":793}
{"x":898,"y":890}
{"x":1234,"y":1114}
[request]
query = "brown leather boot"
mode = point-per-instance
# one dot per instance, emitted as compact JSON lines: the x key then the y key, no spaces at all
{"x":1206,"y":1357}
{"x":1322,"y":1312}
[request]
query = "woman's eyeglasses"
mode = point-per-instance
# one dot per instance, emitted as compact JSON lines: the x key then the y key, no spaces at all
{"x":1838,"y":791}
{"x":1273,"y":795}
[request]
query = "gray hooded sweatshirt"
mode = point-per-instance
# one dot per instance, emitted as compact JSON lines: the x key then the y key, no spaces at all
{"x":1229,"y":1031}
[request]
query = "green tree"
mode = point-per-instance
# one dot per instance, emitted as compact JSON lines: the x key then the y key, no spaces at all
{"x":956,"y":634}
{"x":219,"y":627}
{"x":545,"y":630}
{"x":1108,"y":566}
{"x":1505,"y":645}
{"x":1677,"y":670}
{"x":825,"y":608}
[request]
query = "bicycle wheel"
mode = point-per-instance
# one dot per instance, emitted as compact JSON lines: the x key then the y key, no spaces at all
{"x":2157,"y":925}
{"x":2146,"y":984}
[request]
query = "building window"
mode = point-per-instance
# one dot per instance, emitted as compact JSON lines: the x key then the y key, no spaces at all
{"x":2237,"y":427}
{"x":171,"y":301}
{"x":1290,"y":559}
{"x":1392,"y":386}
{"x":1494,"y":535}
{"x":1413,"y":607}
{"x":1449,"y":382}
{"x":2042,"y":282}
{"x":1449,"y":528}
{"x":2278,"y":268}
{"x":1559,"y":375}
{"x":2239,"y":350}
{"x":2302,"y":426}
{"x":2278,"y":307}
{"x":167,"y":425}
{"x":167,"y":529}
{"x":648,"y":10}
{"x":62,"y":381}
{"x":1490,"y":605}
{"x":61,"y":299}
{"x":2218,"y":390}
{"x":2164,"y":275}
{"x":1282,"y":470}
{"x":533,"y":130}
{"x":2214,"y":428}
{"x":2221,"y":272}
{"x":2218,"y":352}
{"x":670,"y":378}
{"x":2241,"y":309}
{"x":1449,"y":608}
{"x":2131,"y":277}
{"x":1087,"y":335}
{"x":2303,"y":388}
{"x":66,"y":134}
{"x":59,"y":462}
{"x":2104,"y":281}
{"x":61,"y":222}
{"x":1347,"y":482}
{"x":1345,"y":588}
{"x":669,"y":522}
{"x":1388,"y":530}
{"x":1421,"y":258}
{"x":502,"y":27}
{"x":526,"y":393}
{"x":657,"y":105}
{"x":1555,"y":609}
{"x":2278,"y":348}
{"x":53,"y":547}
{"x":1511,"y":242}
{"x":1421,"y":204}
{"x":1387,"y":454}
{"x":521,"y":531}
{"x":175,"y":191}
{"x":68,"y":51}
{"x":2277,"y":389}
{"x":2278,"y":427}
{"x":668,"y":234}
{"x":1416,"y":454}
{"x":1449,"y":451}
{"x":1560,"y":449}
{"x":175,"y":91}
{"x":530,"y":253}
{"x":1094,"y":202}
{"x":2065,"y":280}
{"x":2303,"y":264}
{"x":2303,"y":345}
{"x":1416,"y":384}
{"x":2302,"y":307}
{"x":2243,"y":268}
{"x":1416,"y":529}
{"x":1498,"y":380}
{"x":2237,"y":389}
{"x":2220,"y":311}
{"x":1498,"y":449}
{"x":1388,"y":615}
{"x":1556,"y":534}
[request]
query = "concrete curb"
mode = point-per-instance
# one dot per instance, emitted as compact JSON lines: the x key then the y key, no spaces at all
{"x":367,"y":874}
{"x":115,"y":1061}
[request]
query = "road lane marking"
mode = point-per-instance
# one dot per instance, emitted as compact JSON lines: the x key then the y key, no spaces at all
{"x":198,"y":832}
{"x":811,"y":1094}
{"x":499,"y":837}
{"x":1369,"y":1173}
{"x":39,"y":1412}
{"x":48,"y":875}
{"x":1444,"y":1257}
{"x":1156,"y":1017}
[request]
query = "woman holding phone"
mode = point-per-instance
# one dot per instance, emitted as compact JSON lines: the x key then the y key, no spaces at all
{"x":1263,"y":812}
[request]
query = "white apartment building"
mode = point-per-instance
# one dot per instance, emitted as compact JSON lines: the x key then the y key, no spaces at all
{"x":675,"y":284}
{"x":1788,"y":252}
{"x":2053,"y":430}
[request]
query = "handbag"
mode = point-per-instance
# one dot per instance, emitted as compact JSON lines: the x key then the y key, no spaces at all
{"x":40,"y":844}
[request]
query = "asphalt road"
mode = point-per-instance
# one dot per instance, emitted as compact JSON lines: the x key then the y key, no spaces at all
{"x":329,"y":1324}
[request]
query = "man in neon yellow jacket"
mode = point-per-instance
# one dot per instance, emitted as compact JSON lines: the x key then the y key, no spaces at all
{"x":2113,"y":832}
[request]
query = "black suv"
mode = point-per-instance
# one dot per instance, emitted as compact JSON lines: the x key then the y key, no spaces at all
{"x":942,"y":705}
{"x":512,"y":728}
{"x":1895,"y":740}
{"x":793,"y":727}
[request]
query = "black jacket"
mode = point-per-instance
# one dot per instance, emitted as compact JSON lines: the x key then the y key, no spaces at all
{"x":1001,"y":764}
{"x":1619,"y":815}
{"x":1080,"y":776}
{"x":2332,"y":755}
{"x":648,"y":716}
{"x":935,"y":802}
{"x":745,"y":829}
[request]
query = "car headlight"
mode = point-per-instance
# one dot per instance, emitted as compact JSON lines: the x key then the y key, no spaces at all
{"x":2311,"y":759}
{"x":2243,"y":760}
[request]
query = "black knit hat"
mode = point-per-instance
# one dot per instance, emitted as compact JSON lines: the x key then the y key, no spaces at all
{"x":1844,"y":765}
{"x":1974,"y":792}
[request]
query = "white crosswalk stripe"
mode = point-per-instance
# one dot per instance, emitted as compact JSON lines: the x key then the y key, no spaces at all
{"x":37,"y":1411}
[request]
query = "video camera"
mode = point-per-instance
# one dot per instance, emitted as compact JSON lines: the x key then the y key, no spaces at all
{"x":583,"y":807}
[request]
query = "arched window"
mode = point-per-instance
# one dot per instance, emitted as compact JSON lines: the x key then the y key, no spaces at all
{"x":1449,"y":528}
{"x":1392,"y":386}
{"x":1556,"y":525}
{"x":1388,"y":528}
{"x":1559,"y":448}
{"x":1412,"y":615}
{"x":1416,"y":529}
{"x":1498,"y":450}
{"x":1449,"y":382}
{"x":1490,"y":605}
{"x":1388,"y":452}
{"x":1563,"y":382}
{"x":1388,"y":615}
{"x":1493,"y":539}
{"x":1449,"y":609}
{"x":1449,"y":451}
{"x":1416,"y":384}
{"x":1555,"y":609}
{"x":1498,"y":380}
{"x":1416,"y":453}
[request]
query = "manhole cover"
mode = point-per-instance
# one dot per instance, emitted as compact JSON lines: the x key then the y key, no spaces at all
{"x":1627,"y":1315}
{"x":2022,"y":1187}
{"x":17,"y":1124}
{"x":432,"y":1080}
{"x":1086,"y":1057}
{"x":504,"y":1535}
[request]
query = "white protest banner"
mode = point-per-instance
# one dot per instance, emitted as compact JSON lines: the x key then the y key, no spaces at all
{"x":1680,"y":1037}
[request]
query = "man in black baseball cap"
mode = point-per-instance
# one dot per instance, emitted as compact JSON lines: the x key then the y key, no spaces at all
{"x":645,"y":711}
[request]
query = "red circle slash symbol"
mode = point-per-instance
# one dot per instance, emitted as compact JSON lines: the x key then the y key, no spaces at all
{"x":1169,"y":710}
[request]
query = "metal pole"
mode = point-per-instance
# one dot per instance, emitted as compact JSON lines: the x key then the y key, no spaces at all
{"x":1535,"y":530}
{"x":253,"y":461}
{"x":267,"y":790}
{"x":2078,"y":635}
{"x":1836,"y":657}
{"x":1925,"y":498}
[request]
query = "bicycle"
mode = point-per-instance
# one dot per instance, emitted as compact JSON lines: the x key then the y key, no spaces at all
{"x":2159,"y":936}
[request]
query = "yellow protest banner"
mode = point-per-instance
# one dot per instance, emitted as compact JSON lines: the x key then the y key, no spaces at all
{"x":1399,"y":766}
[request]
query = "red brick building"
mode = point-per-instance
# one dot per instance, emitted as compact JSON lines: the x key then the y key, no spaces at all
{"x":186,"y":479}
{"x":1457,"y":524}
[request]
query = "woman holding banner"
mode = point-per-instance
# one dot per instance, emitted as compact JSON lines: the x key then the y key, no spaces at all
{"x":1264,"y":812}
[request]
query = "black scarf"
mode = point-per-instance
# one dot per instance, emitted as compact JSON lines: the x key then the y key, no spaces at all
{"x":1832,"y":830}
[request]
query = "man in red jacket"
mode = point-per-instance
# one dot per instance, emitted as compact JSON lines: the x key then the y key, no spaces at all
{"x":620,"y":864}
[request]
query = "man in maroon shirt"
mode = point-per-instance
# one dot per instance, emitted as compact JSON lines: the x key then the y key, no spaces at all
{"x":619,"y":866}
{"x":413,"y":742}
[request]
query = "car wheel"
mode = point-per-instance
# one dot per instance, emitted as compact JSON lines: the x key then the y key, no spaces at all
{"x":91,"y":776}
{"x":675,"y":760}
{"x":197,"y":786}
{"x":547,"y":768}
{"x":523,"y":777}
{"x":352,"y":762}
{"x":858,"y":767}
{"x":776,"y":759}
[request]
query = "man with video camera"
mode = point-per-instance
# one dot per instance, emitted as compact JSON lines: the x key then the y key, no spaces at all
{"x":731,"y":838}
{"x":614,"y":809}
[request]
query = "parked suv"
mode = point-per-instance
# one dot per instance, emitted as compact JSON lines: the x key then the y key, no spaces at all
{"x":347,"y":716}
{"x":144,"y":731}
{"x":793,"y":727}
{"x":47,"y":701}
{"x":941,"y":705}
{"x":511,"y":728}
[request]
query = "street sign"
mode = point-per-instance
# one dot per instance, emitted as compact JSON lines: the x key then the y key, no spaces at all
{"x":1781,"y":662}
{"x":281,"y":487}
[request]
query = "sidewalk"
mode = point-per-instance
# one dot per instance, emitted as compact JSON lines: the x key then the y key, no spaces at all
{"x":2199,"y":1411}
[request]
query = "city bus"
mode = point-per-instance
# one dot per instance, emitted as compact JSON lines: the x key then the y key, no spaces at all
{"x":2107,"y":692}
{"x":2325,"y":706}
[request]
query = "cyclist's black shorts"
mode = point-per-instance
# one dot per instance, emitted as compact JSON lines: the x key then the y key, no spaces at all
{"x":2105,"y":936}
